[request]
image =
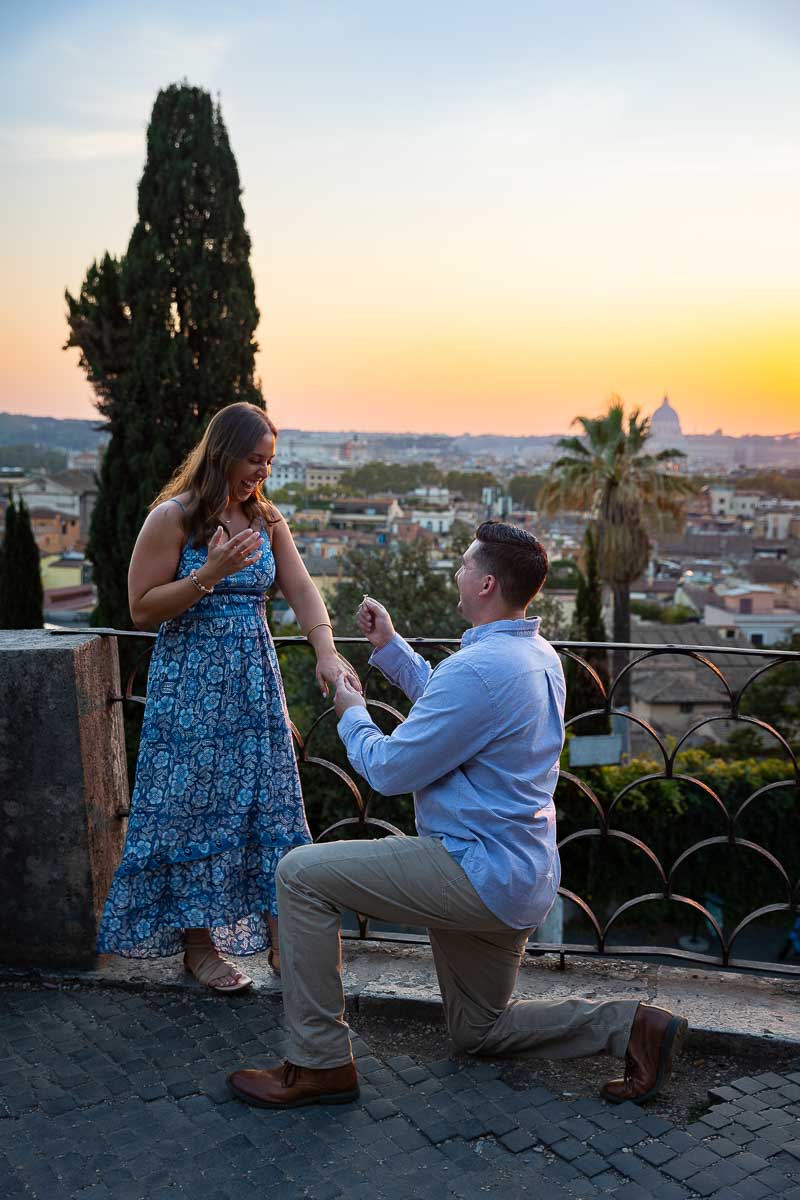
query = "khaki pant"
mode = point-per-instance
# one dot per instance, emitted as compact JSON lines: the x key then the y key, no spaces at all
{"x":415,"y":881}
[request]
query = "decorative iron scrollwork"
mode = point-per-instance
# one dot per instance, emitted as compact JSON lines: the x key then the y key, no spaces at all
{"x":606,"y":836}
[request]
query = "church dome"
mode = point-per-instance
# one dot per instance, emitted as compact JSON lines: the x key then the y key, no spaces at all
{"x":665,"y":422}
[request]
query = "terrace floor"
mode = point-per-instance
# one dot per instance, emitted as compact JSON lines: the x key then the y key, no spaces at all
{"x":112,"y":1086}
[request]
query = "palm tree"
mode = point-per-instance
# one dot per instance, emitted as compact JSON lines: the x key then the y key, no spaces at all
{"x":608,"y":472}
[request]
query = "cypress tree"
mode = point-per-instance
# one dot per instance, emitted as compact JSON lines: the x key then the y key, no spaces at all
{"x":588,"y":626}
{"x":594,"y":625}
{"x":21,"y":595}
{"x":5,"y":573}
{"x":99,"y":322}
{"x":166,"y":334}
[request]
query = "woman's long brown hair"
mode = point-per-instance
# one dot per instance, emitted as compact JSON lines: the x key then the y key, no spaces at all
{"x":232,"y":434}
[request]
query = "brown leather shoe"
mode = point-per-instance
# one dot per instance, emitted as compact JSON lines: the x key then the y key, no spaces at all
{"x":291,"y":1086}
{"x":656,"y":1035}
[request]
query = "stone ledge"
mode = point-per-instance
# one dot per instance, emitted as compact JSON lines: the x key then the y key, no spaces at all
{"x":402,"y":978}
{"x":64,"y":793}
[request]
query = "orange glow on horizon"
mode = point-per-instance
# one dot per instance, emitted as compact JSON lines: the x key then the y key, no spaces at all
{"x":377,"y":372}
{"x":457,"y":223}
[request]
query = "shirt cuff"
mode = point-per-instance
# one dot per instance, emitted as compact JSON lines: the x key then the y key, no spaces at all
{"x":351,"y":718}
{"x":389,"y":657}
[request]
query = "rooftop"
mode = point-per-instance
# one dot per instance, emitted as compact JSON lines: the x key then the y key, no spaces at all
{"x":358,"y":504}
{"x":763,"y":570}
{"x":744,"y":589}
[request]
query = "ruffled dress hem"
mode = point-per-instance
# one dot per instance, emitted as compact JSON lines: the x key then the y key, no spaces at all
{"x":228,"y":893}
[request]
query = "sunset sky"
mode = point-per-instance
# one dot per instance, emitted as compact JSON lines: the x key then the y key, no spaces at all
{"x":466,"y":215}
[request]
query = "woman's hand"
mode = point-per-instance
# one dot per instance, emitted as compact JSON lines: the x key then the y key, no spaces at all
{"x":331,"y":667}
{"x":374,"y":622}
{"x":227,"y":556}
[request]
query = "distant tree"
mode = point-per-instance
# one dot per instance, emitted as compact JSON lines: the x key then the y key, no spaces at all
{"x":587,"y":625}
{"x":609,"y":473}
{"x":678,"y":614}
{"x":647,"y":610}
{"x":524,"y":490}
{"x":470,"y":484}
{"x":552,"y":618}
{"x":166,"y":333}
{"x":290,"y":493}
{"x":775,"y":698}
{"x":744,"y":741}
{"x":461,"y":536}
{"x":55,"y":433}
{"x":380,"y":478}
{"x":359,"y":481}
{"x":21,"y":596}
{"x":783,"y":485}
{"x":426,"y":474}
{"x":28,"y":457}
{"x":666,"y":614}
{"x":422,"y":601}
{"x":297,"y":495}
{"x":563,"y":573}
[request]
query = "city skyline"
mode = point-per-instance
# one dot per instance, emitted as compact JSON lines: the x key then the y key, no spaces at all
{"x":666,"y":430}
{"x":463,"y":219}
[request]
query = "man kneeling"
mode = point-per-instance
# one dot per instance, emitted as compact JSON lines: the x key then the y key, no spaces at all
{"x":480,"y":750}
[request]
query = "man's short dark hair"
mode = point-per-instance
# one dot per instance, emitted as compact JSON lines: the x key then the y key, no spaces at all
{"x":515,"y":557}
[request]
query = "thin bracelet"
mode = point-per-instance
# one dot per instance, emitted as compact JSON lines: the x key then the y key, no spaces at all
{"x":201,"y":587}
{"x":319,"y":625}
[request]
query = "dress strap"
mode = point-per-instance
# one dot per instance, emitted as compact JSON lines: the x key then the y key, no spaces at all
{"x":172,"y":500}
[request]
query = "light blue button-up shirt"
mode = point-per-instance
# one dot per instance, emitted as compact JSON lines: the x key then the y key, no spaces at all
{"x":480,"y":751}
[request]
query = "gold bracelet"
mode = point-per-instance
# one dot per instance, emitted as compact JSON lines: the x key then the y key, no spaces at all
{"x":319,"y":625}
{"x":201,"y":587}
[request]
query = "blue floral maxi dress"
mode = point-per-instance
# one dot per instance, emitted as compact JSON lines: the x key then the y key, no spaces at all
{"x":217,"y":800}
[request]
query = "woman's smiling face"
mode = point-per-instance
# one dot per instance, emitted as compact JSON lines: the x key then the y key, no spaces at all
{"x":250,"y":472}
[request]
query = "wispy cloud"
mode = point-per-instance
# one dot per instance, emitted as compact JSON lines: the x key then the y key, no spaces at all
{"x":55,"y":144}
{"x":95,"y":121}
{"x":158,"y":45}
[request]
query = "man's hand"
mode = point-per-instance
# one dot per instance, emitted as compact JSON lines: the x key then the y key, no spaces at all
{"x":347,"y":696}
{"x":374,"y":622}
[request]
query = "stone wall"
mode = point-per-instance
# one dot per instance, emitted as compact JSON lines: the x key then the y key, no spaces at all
{"x":63,"y":793}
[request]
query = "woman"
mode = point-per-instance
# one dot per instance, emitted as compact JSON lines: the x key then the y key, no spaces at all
{"x":217,"y":800}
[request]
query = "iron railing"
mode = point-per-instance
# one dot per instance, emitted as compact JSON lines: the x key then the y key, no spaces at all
{"x":603,"y":839}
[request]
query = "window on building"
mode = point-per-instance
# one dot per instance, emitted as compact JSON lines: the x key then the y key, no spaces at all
{"x":757,"y":639}
{"x":745,"y":605}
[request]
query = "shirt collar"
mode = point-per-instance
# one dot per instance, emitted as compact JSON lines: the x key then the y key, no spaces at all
{"x":527,"y":627}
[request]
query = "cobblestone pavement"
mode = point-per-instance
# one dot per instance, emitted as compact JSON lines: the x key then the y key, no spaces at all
{"x":112,"y":1094}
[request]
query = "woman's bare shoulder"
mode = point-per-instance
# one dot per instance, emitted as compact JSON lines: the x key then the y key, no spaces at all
{"x":166,"y":518}
{"x":272,"y":522}
{"x":174,"y":508}
{"x":277,"y":523}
